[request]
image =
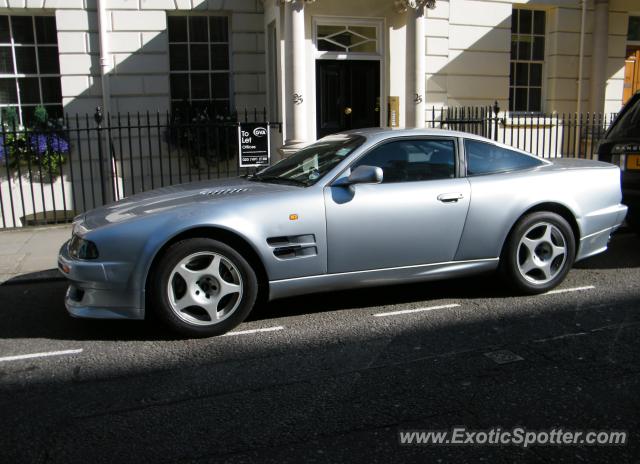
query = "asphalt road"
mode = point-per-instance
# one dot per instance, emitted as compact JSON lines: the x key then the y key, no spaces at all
{"x":331,"y":380}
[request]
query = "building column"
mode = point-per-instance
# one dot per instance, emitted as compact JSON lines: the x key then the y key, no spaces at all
{"x":419,"y":59}
{"x":296,"y":97}
{"x":416,"y":56}
{"x":599,"y":56}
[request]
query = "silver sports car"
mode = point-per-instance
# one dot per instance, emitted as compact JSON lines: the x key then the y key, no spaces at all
{"x":363,"y":208}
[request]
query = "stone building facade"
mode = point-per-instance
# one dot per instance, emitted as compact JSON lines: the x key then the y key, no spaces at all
{"x":292,"y":56}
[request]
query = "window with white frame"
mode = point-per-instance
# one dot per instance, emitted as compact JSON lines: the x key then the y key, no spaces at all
{"x":349,"y":39}
{"x":527,"y":58}
{"x":199,"y":63}
{"x":29,"y":66}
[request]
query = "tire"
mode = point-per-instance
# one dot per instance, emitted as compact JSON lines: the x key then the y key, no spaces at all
{"x":201,"y":287}
{"x":539,"y":253}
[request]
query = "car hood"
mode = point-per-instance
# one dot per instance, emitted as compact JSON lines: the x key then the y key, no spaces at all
{"x":178,"y":196}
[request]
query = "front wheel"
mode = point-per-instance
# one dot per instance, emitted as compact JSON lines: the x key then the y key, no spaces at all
{"x":202,"y":287}
{"x":539,"y":253}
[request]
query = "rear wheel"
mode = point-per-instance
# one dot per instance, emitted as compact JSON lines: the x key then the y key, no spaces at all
{"x":202,"y":287}
{"x":539,"y":253}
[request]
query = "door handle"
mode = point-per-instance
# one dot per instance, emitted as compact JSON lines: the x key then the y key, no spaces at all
{"x":450,"y":197}
{"x":348,"y":111}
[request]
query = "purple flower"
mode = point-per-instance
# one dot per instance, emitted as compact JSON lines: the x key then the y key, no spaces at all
{"x":42,"y":143}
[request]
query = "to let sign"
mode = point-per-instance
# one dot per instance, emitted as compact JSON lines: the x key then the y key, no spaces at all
{"x":254,"y":143}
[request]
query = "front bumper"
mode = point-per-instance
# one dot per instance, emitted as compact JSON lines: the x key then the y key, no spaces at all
{"x":95,"y":293}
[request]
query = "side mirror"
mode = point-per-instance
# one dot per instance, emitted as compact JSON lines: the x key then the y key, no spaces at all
{"x":362,"y":175}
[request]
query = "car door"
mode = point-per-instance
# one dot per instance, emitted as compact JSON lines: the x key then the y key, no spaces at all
{"x":415,"y":216}
{"x":501,"y":193}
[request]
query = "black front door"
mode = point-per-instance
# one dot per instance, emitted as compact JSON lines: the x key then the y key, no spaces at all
{"x":348,"y":95}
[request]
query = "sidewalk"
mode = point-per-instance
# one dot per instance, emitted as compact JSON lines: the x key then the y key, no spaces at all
{"x":31,"y":253}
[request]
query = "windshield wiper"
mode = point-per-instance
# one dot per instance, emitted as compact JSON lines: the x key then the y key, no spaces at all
{"x":278,"y":180}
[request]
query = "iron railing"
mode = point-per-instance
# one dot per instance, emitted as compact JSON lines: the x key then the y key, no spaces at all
{"x":51,"y":174}
{"x":545,"y":135}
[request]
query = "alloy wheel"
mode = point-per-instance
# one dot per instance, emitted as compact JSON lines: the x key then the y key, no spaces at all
{"x":204,"y":288}
{"x":542,"y":253}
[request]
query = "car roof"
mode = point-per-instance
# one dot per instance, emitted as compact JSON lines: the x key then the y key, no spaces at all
{"x":384,"y":133}
{"x":379,"y":134}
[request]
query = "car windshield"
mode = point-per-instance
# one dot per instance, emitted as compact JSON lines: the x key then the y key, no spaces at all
{"x":309,"y":165}
{"x":628,"y":123}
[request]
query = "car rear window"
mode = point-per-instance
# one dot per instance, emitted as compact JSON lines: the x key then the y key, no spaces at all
{"x":487,"y":158}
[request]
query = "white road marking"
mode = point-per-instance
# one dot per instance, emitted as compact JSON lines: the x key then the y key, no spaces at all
{"x":417,"y":310}
{"x":39,"y":355}
{"x":247,"y":332}
{"x":567,"y":290}
{"x":560,"y":337}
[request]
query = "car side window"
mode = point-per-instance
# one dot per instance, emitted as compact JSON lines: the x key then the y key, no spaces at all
{"x":487,"y":158}
{"x":412,"y":160}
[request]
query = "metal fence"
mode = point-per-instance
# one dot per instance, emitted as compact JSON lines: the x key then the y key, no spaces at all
{"x":545,"y":135}
{"x":48,"y":174}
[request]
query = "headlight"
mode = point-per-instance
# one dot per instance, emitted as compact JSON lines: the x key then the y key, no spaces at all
{"x":78,"y":227}
{"x":80,"y":248}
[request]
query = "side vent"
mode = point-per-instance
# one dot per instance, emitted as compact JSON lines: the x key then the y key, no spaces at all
{"x":294,"y":246}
